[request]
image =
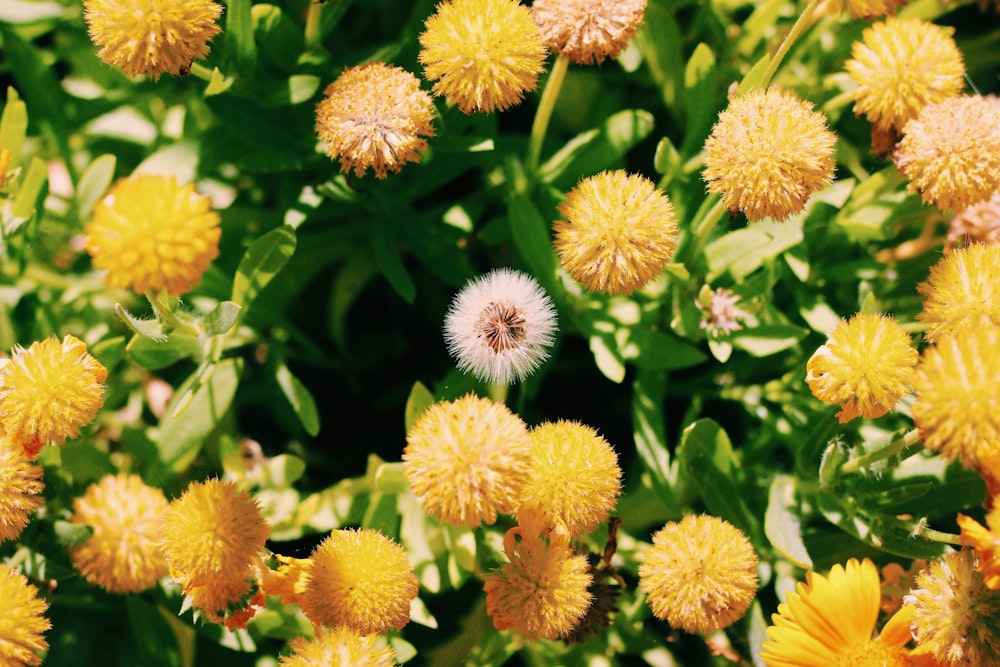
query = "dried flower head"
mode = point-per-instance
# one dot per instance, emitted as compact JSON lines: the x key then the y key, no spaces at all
{"x":900,"y":66}
{"x":22,"y":622}
{"x":151,"y":233}
{"x":768,"y":152}
{"x":721,"y":314}
{"x":338,"y":647}
{"x":860,"y":9}
{"x":152,"y":37}
{"x":375,"y":115}
{"x":362,"y":580}
{"x":468,"y":460}
{"x":122,"y":555}
{"x":700,"y":574}
{"x":976,"y":223}
{"x":49,"y":391}
{"x":483,"y":55}
{"x":962,"y":291}
{"x":619,"y":232}
{"x":866,"y":366}
{"x":499,"y":326}
{"x":986,"y":541}
{"x":21,"y":487}
{"x":951,"y":152}
{"x":588,"y":31}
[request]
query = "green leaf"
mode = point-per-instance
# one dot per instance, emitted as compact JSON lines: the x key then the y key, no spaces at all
{"x":240,"y":47}
{"x":37,"y":82}
{"x":23,"y":11}
{"x":699,"y":98}
{"x":782,"y":524}
{"x":69,"y":534}
{"x":599,"y":149}
{"x":755,"y":77}
{"x":649,"y":433}
{"x":769,"y":339}
{"x":743,"y":251}
{"x":531,"y":237}
{"x":153,"y":634}
{"x":667,"y":161}
{"x":299,"y":398}
{"x":154,"y":354}
{"x":659,"y":351}
{"x":262,"y":261}
{"x":94,"y":183}
{"x":14,"y":127}
{"x":417,"y":402}
{"x":222,"y":318}
{"x":607,"y":357}
{"x":32,"y":193}
{"x":389,"y":262}
{"x":109,"y":351}
{"x":151,"y":329}
{"x":281,"y":41}
{"x":662,"y":42}
{"x":218,"y":83}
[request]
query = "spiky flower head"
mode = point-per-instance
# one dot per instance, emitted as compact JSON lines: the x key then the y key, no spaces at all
{"x":767,"y":153}
{"x":212,"y":537}
{"x":951,"y":152}
{"x":48,"y":391}
{"x":362,"y":580}
{"x":976,"y":223}
{"x":700,"y":574}
{"x":375,"y":115}
{"x":338,"y":647}
{"x":150,"y":36}
{"x":588,"y":31}
{"x":483,"y":55}
{"x":500,"y":325}
{"x":860,"y":9}
{"x":618,"y":234}
{"x":986,"y":541}
{"x":22,"y":620}
{"x":962,"y":291}
{"x":122,"y":554}
{"x":151,"y":233}
{"x":468,"y":460}
{"x":21,"y":487}
{"x":866,"y":366}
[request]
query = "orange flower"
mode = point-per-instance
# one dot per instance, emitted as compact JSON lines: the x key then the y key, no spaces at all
{"x":986,"y":542}
{"x":21,"y":486}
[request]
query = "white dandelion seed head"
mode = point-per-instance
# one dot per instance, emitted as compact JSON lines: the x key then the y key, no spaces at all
{"x":499,"y":326}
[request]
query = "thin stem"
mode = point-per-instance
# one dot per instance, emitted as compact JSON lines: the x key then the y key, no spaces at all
{"x":702,"y":229}
{"x":166,"y":314}
{"x":937,"y":536}
{"x":909,"y":439}
{"x":544,"y":113}
{"x":803,"y":22}
{"x":498,"y":392}
{"x":312,"y":23}
{"x":201,"y":72}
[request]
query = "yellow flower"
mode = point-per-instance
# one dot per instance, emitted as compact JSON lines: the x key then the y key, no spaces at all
{"x":956,"y":618}
{"x":700,"y":574}
{"x":957,"y":394}
{"x":212,"y":537}
{"x":619,"y":232}
{"x":962,"y":291}
{"x":21,"y":486}
{"x":362,"y":580}
{"x":951,"y":152}
{"x":49,"y":391}
{"x":986,"y":542}
{"x":375,"y":115}
{"x":468,"y":460}
{"x":21,"y":620}
{"x":151,"y":233}
{"x":768,"y":152}
{"x":5,"y":158}
{"x":976,"y":223}
{"x":288,"y":582}
{"x":150,"y":36}
{"x":483,"y":55}
{"x":900,"y":66}
{"x":122,"y":555}
{"x":866,"y":366}
{"x":860,"y":9}
{"x":829,"y":622}
{"x":573,"y":476}
{"x":542,"y":593}
{"x":588,"y":31}
{"x":338,"y":647}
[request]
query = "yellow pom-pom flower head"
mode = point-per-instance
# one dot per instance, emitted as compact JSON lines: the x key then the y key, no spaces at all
{"x":338,"y":647}
{"x":588,"y":31}
{"x":22,"y":620}
{"x":986,"y":542}
{"x":21,"y":486}
{"x":962,"y":291}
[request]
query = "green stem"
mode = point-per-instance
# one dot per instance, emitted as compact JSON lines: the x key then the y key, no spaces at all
{"x":909,"y":439}
{"x":498,"y":392}
{"x":165,"y":313}
{"x":701,"y":230}
{"x":938,"y":536}
{"x":544,"y":113}
{"x":200,"y":71}
{"x":803,"y":22}
{"x":312,"y":23}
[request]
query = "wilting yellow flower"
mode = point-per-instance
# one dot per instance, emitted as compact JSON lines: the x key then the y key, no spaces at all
{"x":986,"y":542}
{"x":483,"y":55}
{"x":962,"y":291}
{"x":212,"y":537}
{"x":22,"y":623}
{"x":768,"y":152}
{"x":976,"y":223}
{"x":49,"y":391}
{"x":866,"y":366}
{"x":338,"y":647}
{"x":375,"y":115}
{"x":829,"y":622}
{"x":151,"y":233}
{"x":860,"y":9}
{"x":150,"y":36}
{"x":122,"y":555}
{"x":700,"y":574}
{"x":21,"y":486}
{"x":588,"y":31}
{"x":573,"y":476}
{"x":956,"y":618}
{"x":619,"y":232}
{"x":951,"y":152}
{"x":362,"y":580}
{"x":542,"y":593}
{"x":900,"y":66}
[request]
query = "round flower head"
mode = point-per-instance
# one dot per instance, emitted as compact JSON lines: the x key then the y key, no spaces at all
{"x":151,"y":233}
{"x":150,"y":36}
{"x":212,"y":536}
{"x":619,"y":232}
{"x":499,"y":326}
{"x":721,"y":315}
{"x":986,"y":542}
{"x":976,"y":223}
{"x":122,"y":554}
{"x":21,"y":486}
{"x":900,"y":66}
{"x":956,"y":618}
{"x":866,"y":366}
{"x":49,"y":391}
{"x":860,"y":9}
{"x":829,"y":622}
{"x":375,"y":115}
{"x":468,"y":460}
{"x":767,"y":153}
{"x":22,"y":623}
{"x":962,"y":291}
{"x":700,"y":574}
{"x":573,"y":477}
{"x":588,"y":31}
{"x":542,"y":593}
{"x":362,"y":580}
{"x":483,"y":55}
{"x":951,"y":152}
{"x":338,"y":647}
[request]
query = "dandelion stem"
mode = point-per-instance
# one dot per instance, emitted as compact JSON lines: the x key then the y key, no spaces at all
{"x":544,"y":112}
{"x":312,"y":24}
{"x":909,"y":439}
{"x":803,"y":22}
{"x":498,"y":392}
